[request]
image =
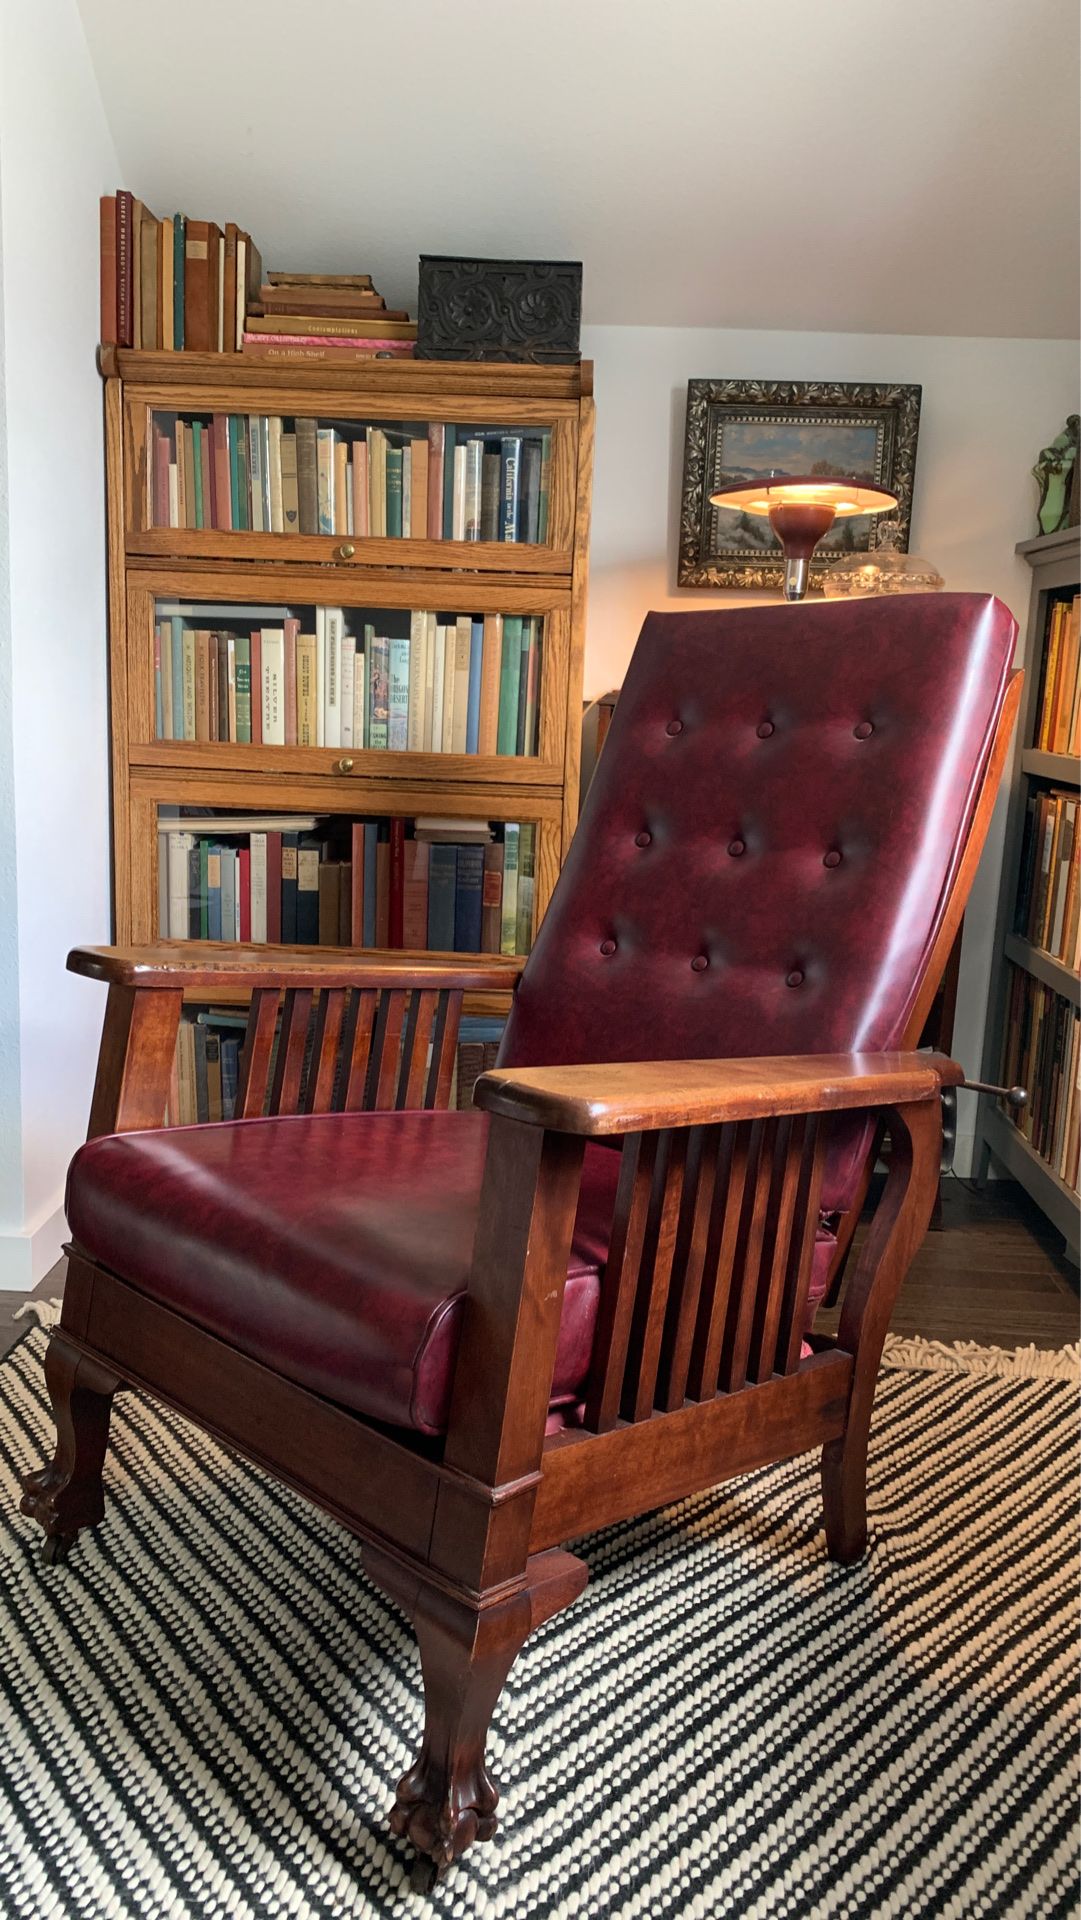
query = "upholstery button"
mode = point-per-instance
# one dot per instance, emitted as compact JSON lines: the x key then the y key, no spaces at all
{"x":832,"y":859}
{"x":794,"y":979}
{"x":764,"y":729}
{"x":674,"y":726}
{"x":608,"y":946}
{"x":699,"y":963}
{"x":736,"y":847}
{"x":642,"y":839}
{"x":864,"y":730}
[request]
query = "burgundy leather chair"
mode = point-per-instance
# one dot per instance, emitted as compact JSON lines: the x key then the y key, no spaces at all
{"x":473,"y":1336}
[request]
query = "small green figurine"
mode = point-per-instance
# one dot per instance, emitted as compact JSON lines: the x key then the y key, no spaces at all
{"x":1053,"y":470}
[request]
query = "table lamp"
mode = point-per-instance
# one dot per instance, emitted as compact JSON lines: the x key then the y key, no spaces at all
{"x":800,"y":509}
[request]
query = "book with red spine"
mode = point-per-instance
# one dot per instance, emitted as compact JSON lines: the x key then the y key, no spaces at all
{"x":356,"y":902}
{"x":125,"y":280}
{"x":396,"y":885}
{"x":243,"y":890}
{"x":437,"y":436}
{"x":220,"y":486}
{"x":108,"y":267}
{"x":415,"y":895}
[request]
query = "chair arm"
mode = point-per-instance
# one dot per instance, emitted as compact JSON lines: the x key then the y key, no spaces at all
{"x":374,"y":1054}
{"x":643,"y":1096}
{"x":179,"y":964}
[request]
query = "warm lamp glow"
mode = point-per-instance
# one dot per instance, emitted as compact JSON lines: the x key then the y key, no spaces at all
{"x":801,"y":508}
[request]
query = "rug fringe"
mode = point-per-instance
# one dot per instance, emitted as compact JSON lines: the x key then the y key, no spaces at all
{"x":968,"y":1356}
{"x":45,"y":1312}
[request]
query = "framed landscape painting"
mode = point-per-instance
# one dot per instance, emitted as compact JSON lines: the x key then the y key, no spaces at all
{"x":758,"y":429}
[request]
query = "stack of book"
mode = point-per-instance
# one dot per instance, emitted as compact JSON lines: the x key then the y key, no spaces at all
{"x":175,"y":285}
{"x":273,"y":473}
{"x":456,"y":683}
{"x":333,"y":317}
{"x":430,"y":884}
{"x":206,"y":1066}
{"x":1049,"y":890}
{"x":1058,"y":728}
{"x":1042,"y":1053}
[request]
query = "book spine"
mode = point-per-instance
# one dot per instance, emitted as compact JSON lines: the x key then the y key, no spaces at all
{"x":439,"y":658}
{"x":442,"y":888}
{"x":509,"y":924}
{"x":290,"y":636}
{"x":197,"y":287}
{"x":159,"y":697}
{"x":463,"y":644}
{"x":394,"y":493}
{"x":415,"y":895}
{"x":180,"y":230}
{"x":458,"y":500}
{"x":418,"y":509}
{"x":491,"y":909}
{"x":396,"y":898}
{"x":360,"y":485}
{"x":379,"y":691}
{"x":348,"y":689}
{"x":436,"y":441}
{"x":202,"y":685}
{"x":332,"y":703}
{"x":509,"y":678}
{"x":471,"y":509}
{"x":222,"y":472}
{"x":325,"y":439}
{"x":307,"y":475}
{"x":306,"y":727}
{"x":371,"y":883}
{"x":108,"y":269}
{"x":523,"y":936}
{"x":274,"y":888}
{"x":290,"y":843}
{"x":509,"y":485}
{"x":490,"y":502}
{"x":418,"y":633}
{"x":256,"y":646}
{"x":468,"y":899}
{"x":308,"y":893}
{"x":398,"y":696}
{"x":273,"y":688}
{"x":125,"y":286}
{"x":356,"y":895}
{"x":476,"y":658}
{"x":243,"y":688}
{"x":447,"y":509}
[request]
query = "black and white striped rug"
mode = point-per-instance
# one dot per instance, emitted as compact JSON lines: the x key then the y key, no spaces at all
{"x":204,"y":1713}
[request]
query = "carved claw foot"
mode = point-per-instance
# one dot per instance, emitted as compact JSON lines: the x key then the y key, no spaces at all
{"x":67,"y":1494}
{"x":441,"y":1818}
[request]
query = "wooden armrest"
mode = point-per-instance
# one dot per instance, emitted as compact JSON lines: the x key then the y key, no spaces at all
{"x":641,"y":1096}
{"x":170,"y":965}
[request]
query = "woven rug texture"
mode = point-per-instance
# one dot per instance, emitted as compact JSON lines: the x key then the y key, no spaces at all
{"x":204,"y":1713}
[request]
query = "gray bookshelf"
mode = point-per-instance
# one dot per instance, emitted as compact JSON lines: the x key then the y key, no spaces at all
{"x":1055,"y":559}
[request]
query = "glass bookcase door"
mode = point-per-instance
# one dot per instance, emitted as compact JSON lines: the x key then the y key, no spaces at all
{"x":356,"y":687}
{"x":343,"y":485}
{"x":412,"y":881}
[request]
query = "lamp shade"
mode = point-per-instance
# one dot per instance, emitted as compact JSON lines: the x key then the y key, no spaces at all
{"x":801,"y":507}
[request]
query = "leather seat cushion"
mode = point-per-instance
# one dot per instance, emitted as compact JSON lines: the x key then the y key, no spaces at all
{"x":333,"y":1248}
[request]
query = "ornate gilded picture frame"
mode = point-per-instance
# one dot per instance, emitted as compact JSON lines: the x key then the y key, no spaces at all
{"x":748,"y":429}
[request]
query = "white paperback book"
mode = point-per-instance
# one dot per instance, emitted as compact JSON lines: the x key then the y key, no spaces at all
{"x":348,"y":664}
{"x":273,"y":669}
{"x":180,"y":846}
{"x":258,"y":887}
{"x":332,"y":708}
{"x":320,"y":676}
{"x":418,"y":640}
{"x":438,"y":671}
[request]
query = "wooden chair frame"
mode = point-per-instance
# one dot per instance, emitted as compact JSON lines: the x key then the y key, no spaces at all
{"x":697,"y":1374}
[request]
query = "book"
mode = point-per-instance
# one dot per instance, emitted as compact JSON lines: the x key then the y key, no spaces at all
{"x":509,"y":485}
{"x":393,"y":493}
{"x":491,"y":916}
{"x":442,"y":891}
{"x":476,"y":661}
{"x":462,"y":648}
{"x":415,"y":894}
{"x":398,"y":694}
{"x":509,"y":924}
{"x":273,"y":686}
{"x":396,"y":884}
{"x":468,"y":893}
{"x":510,"y":670}
{"x":369,"y":326}
{"x":527,"y":842}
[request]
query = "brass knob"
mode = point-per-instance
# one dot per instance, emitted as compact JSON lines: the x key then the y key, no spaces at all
{"x":346,"y":550}
{"x":345,"y":765}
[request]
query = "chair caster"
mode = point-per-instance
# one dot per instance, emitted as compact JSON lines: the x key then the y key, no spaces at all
{"x":423,"y":1874}
{"x":55,"y":1548}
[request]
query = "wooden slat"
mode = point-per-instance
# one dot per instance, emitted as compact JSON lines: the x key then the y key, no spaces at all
{"x":418,"y":1032}
{"x":629,"y":1227}
{"x":285,"y":1097}
{"x":254,"y":1074}
{"x":769,"y":1295}
{"x":444,"y":1047}
{"x":748,"y":1261}
{"x":386,"y":1052}
{"x":687,"y":1264}
{"x":801,"y":1257}
{"x":356,"y":1048}
{"x":733,"y":1166}
{"x":329,"y":1015}
{"x":654,"y":1277}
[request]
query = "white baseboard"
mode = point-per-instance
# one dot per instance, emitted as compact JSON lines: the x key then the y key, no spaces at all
{"x":26,"y":1257}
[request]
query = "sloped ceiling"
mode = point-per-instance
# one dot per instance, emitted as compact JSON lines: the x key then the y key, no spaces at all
{"x":901,"y":166}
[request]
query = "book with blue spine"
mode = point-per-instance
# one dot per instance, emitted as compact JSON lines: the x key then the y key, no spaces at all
{"x":442,"y":892}
{"x":230,"y":1074}
{"x":529,"y":516}
{"x":472,"y":718}
{"x":398,"y":695}
{"x":510,"y":470}
{"x":468,"y":889}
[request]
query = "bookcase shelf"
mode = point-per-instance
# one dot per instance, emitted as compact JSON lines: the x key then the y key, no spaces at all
{"x":377,"y":585}
{"x":1032,"y":1031}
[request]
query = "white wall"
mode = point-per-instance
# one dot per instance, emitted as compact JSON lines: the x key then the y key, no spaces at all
{"x":56,"y":157}
{"x":988,"y":407}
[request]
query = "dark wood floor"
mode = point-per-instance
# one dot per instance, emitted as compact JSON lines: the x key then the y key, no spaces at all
{"x":994,"y":1274}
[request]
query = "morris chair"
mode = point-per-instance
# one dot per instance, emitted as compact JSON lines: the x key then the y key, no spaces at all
{"x":473,"y":1336}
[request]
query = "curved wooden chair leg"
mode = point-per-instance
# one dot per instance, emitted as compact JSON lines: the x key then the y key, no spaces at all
{"x":844,"y":1496}
{"x":68,"y":1493}
{"x":448,"y":1799}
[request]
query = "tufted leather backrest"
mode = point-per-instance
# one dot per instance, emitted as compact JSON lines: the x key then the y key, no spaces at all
{"x":768,"y":845}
